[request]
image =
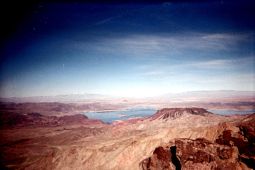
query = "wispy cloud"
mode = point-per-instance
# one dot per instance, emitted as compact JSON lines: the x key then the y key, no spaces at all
{"x":165,"y":45}
{"x":224,"y":63}
{"x":225,"y":37}
{"x":189,"y":41}
{"x":153,"y":73}
{"x":212,"y":64}
{"x":107,"y":20}
{"x":237,"y":81}
{"x":164,"y":70}
{"x":180,"y":62}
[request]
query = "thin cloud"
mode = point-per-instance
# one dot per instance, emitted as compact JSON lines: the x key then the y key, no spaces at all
{"x":225,"y":37}
{"x":223,"y":63}
{"x":153,"y":73}
{"x":163,"y":46}
{"x":107,"y":20}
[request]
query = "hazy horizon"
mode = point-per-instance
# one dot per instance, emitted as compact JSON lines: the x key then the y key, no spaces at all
{"x":212,"y":93}
{"x":130,"y":49}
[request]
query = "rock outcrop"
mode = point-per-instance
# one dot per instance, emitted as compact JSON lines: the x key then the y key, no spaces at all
{"x":244,"y":140}
{"x":233,"y":149}
{"x":194,"y":154}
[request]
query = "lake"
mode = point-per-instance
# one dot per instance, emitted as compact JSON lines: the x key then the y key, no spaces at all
{"x":110,"y":116}
{"x":229,"y":112}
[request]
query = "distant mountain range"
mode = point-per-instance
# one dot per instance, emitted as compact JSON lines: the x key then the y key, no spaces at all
{"x":190,"y":96}
{"x":57,"y":98}
{"x":208,"y":95}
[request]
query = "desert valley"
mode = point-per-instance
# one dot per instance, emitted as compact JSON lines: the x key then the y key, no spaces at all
{"x":57,"y":135}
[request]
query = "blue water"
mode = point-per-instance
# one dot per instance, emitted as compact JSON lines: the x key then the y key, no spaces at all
{"x":229,"y":112}
{"x":110,"y":116}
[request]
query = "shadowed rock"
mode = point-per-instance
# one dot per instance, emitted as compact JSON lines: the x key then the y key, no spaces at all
{"x":175,"y":160}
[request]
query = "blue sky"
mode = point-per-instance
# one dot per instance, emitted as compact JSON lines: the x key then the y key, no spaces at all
{"x":130,"y":49}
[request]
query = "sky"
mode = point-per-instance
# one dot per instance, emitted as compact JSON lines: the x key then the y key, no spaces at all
{"x":130,"y":49}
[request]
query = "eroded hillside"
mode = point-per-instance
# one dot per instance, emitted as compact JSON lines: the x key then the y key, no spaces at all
{"x":76,"y":142}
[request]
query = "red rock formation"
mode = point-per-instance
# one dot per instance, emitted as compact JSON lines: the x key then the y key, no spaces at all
{"x":244,"y":140}
{"x":159,"y":160}
{"x":193,"y":154}
{"x":232,"y":150}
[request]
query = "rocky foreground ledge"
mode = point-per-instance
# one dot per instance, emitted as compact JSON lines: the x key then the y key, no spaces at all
{"x":233,"y":149}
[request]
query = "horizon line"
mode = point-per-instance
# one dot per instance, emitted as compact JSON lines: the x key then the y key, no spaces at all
{"x":116,"y":96}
